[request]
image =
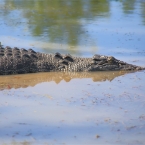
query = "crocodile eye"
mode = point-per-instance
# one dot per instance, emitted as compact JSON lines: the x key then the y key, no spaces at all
{"x":96,"y":57}
{"x":110,"y":58}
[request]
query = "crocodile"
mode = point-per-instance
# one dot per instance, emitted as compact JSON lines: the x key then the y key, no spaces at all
{"x":22,"y":61}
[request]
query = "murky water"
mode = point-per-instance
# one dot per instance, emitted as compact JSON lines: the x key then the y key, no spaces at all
{"x":74,"y":108}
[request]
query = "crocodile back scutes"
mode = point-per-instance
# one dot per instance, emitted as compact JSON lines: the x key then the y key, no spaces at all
{"x":17,"y":61}
{"x":20,"y":61}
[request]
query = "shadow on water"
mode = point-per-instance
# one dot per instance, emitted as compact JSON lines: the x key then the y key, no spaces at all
{"x":26,"y":80}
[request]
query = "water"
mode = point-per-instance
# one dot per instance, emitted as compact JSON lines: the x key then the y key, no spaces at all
{"x":74,"y":108}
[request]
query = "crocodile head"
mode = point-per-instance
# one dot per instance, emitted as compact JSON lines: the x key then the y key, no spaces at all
{"x":107,"y":63}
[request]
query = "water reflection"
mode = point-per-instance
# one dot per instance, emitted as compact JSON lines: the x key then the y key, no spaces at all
{"x":64,"y":23}
{"x":57,"y":21}
{"x":130,"y":6}
{"x":18,"y":143}
{"x":26,"y":80}
{"x":74,"y":113}
{"x":143,"y":11}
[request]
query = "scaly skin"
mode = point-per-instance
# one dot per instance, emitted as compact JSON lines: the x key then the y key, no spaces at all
{"x":20,"y":61}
